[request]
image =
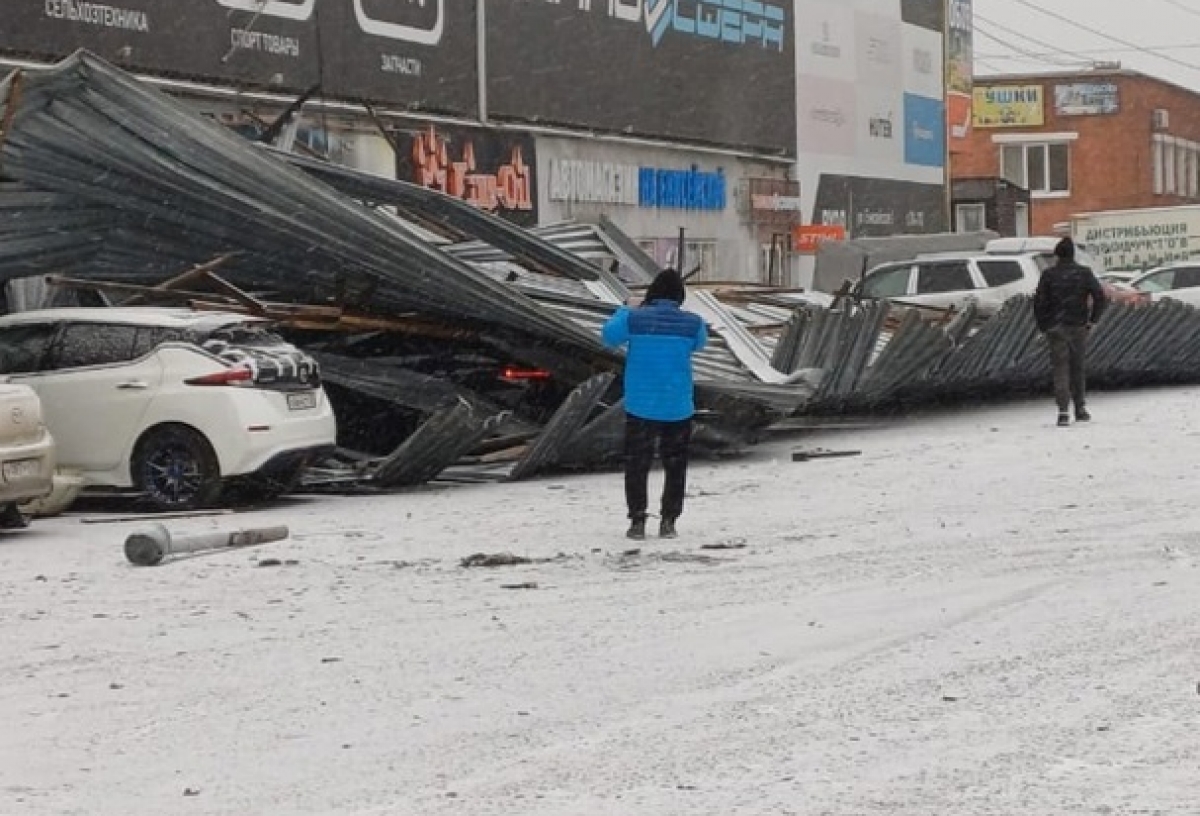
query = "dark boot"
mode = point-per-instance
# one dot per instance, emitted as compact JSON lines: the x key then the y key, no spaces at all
{"x":666,"y":528}
{"x":1081,"y":415}
{"x":637,"y":528}
{"x":1064,"y":419}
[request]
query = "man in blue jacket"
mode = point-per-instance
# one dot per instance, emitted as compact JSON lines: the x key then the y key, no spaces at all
{"x":659,"y":402}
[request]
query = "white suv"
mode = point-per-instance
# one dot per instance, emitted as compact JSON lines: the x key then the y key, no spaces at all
{"x":953,"y":280}
{"x":172,"y":403}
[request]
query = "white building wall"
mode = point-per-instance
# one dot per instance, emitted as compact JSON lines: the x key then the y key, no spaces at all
{"x":729,"y":245}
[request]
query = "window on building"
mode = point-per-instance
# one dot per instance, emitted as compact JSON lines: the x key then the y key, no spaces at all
{"x":702,"y":254}
{"x":1158,"y":149}
{"x":970,"y":217}
{"x":1020,"y":219}
{"x":1193,"y":177}
{"x":1039,"y":167}
{"x":1169,"y":177}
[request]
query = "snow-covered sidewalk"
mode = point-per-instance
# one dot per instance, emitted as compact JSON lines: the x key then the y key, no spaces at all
{"x":981,"y":614}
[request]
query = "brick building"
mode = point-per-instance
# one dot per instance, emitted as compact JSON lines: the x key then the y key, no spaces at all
{"x":1082,"y":141}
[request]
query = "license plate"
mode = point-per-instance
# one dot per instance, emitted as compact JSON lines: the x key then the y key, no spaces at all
{"x":302,"y":402}
{"x":22,"y":469}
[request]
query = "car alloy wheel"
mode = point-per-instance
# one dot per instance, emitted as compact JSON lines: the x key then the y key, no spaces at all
{"x":176,"y":469}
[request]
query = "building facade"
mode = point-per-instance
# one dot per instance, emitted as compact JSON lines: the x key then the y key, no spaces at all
{"x":1080,"y":142}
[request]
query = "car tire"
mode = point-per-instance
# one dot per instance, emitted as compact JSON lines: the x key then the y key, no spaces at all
{"x":11,"y":518}
{"x":175,"y":468}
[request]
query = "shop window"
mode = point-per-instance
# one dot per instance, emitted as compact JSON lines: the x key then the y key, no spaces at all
{"x":702,"y":254}
{"x":970,"y":217}
{"x":1040,"y":168}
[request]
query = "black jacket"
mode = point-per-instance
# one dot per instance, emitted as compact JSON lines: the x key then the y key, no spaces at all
{"x":1068,"y":295}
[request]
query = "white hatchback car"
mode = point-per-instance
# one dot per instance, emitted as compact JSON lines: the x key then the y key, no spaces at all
{"x":172,"y":403}
{"x":26,"y":453}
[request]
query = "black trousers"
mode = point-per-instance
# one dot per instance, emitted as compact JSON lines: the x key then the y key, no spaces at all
{"x":640,"y":438}
{"x":1068,"y":348}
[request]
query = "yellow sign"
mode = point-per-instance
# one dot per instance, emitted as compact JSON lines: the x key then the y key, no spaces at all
{"x":1008,"y":106}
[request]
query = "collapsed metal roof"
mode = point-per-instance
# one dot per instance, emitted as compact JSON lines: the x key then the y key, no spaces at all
{"x":110,"y":178}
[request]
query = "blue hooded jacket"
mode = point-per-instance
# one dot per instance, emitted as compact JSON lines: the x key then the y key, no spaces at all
{"x":658,"y":366}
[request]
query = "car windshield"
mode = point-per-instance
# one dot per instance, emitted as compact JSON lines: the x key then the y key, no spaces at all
{"x":1156,"y":281}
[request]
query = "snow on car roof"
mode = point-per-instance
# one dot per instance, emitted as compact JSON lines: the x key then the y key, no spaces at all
{"x":130,"y":315}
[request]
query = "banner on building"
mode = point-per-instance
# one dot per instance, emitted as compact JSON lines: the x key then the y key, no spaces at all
{"x":415,"y":55}
{"x":960,"y":69}
{"x":707,"y":70}
{"x":1087,"y":99}
{"x":875,"y":207}
{"x":997,"y":106}
{"x":494,"y":171}
{"x":807,"y":238}
{"x":773,"y":202}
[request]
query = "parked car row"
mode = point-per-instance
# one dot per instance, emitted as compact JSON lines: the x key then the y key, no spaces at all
{"x":174,"y":405}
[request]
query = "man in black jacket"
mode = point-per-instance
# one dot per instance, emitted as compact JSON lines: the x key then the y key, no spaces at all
{"x":1068,"y":302}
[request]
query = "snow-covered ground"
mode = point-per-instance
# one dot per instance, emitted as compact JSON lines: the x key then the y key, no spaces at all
{"x":981,"y":614}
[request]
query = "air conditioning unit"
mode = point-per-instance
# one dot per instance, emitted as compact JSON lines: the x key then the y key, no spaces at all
{"x":1161,"y":119}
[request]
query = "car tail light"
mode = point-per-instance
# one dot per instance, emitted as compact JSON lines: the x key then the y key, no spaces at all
{"x":514,"y":374}
{"x":230,"y":376}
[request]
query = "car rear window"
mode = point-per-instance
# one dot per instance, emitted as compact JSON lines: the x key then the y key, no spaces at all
{"x":1001,"y":273}
{"x":245,"y":335}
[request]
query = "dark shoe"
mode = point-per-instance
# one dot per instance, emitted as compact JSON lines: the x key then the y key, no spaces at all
{"x":1064,"y":419}
{"x":666,"y":528}
{"x":637,"y":528}
{"x":1081,"y":415}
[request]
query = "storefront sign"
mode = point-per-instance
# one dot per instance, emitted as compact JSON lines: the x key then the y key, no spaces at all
{"x":681,"y":189}
{"x":878,"y":207}
{"x":806,"y":238}
{"x":593,"y":182}
{"x":774,"y":201}
{"x":1087,"y":99}
{"x":493,"y":171}
{"x":420,"y":55}
{"x":666,"y":68}
{"x":1008,"y":106}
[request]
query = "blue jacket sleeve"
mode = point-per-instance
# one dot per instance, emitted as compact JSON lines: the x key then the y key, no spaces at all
{"x":701,"y":336}
{"x":616,"y":329}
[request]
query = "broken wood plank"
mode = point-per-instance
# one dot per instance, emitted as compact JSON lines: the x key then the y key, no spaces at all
{"x":804,"y":456}
{"x":153,"y":516}
{"x":195,"y":273}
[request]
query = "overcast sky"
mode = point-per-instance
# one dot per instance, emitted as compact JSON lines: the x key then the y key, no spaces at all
{"x":1156,"y":37}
